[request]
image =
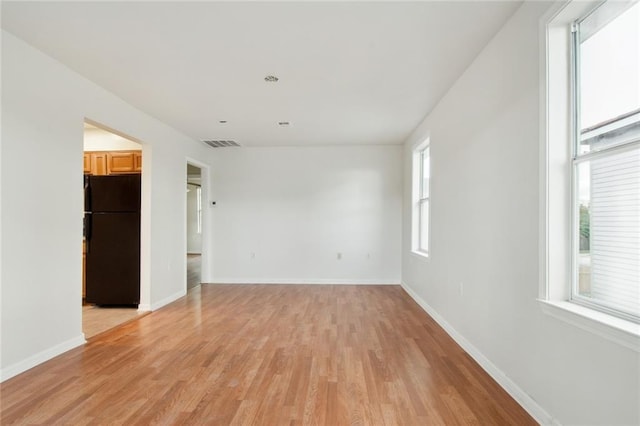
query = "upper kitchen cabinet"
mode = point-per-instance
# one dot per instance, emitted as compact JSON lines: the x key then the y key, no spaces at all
{"x":112,"y":163}
{"x":121,"y":162}
{"x":99,"y":163}
{"x":87,"y":163}
{"x":137,"y":161}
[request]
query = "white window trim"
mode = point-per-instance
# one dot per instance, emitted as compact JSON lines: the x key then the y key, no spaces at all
{"x":416,"y":187}
{"x":555,"y":265}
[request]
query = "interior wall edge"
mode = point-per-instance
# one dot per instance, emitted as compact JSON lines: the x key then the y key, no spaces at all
{"x":172,"y":298}
{"x":44,"y":110}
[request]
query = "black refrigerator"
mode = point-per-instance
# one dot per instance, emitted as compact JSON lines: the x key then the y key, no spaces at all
{"x":112,"y":236}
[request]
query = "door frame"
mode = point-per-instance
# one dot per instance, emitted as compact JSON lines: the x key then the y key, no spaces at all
{"x":145,"y":214}
{"x":205,"y":268}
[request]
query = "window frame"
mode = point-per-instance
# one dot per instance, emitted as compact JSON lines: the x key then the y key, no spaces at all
{"x":577,"y":159}
{"x":419,"y":247}
{"x":557,"y":186}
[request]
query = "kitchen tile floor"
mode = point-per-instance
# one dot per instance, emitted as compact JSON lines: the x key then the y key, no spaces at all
{"x":96,"y":320}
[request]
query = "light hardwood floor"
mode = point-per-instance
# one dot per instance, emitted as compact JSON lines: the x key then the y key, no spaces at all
{"x":267,"y":355}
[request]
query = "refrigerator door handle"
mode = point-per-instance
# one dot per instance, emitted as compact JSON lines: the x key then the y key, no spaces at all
{"x":87,"y":194}
{"x":87,"y":230}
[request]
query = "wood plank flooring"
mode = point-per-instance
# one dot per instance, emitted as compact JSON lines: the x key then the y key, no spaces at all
{"x":267,"y":355}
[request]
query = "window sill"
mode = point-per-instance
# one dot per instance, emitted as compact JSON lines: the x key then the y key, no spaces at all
{"x":420,"y":254}
{"x":623,"y":332}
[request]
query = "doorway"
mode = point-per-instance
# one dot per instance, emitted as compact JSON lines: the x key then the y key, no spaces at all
{"x":111,"y":237}
{"x":194,"y":226}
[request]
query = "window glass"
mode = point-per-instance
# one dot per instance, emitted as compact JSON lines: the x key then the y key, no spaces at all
{"x":420,"y":199}
{"x":425,"y":173}
{"x":424,"y":226}
{"x":609,"y":73}
{"x":607,"y":160}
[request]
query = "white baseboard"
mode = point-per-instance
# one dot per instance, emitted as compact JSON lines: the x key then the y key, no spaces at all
{"x":159,"y":304}
{"x":144,"y":307}
{"x":528,"y":403}
{"x":302,"y":281}
{"x":39,"y":358}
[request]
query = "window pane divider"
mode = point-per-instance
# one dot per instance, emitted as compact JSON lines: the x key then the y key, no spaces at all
{"x":626,"y":146}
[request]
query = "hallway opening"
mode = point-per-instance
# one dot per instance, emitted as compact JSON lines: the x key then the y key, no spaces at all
{"x":194,"y":226}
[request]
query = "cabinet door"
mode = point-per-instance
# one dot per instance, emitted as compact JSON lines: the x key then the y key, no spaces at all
{"x":87,"y":163}
{"x":98,"y":163}
{"x":121,"y":162}
{"x":138,"y":161}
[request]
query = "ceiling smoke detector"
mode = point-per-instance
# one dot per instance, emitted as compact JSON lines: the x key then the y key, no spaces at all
{"x":220,"y":143}
{"x":271,"y":79}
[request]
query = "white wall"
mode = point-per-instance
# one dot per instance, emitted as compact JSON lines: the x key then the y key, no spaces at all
{"x":44,"y":105}
{"x":194,"y":239}
{"x":295,"y":209}
{"x":484,"y":229}
{"x":100,"y":140}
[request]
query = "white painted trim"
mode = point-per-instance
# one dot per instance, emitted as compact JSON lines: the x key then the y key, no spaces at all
{"x":625,"y":333}
{"x":40,"y":357}
{"x":422,"y":142}
{"x":144,"y":307}
{"x":420,"y":254}
{"x":528,"y":403}
{"x":159,"y":304}
{"x":301,"y":281}
{"x":145,"y":225}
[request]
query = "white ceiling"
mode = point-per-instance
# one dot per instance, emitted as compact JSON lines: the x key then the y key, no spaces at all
{"x":350,"y":73}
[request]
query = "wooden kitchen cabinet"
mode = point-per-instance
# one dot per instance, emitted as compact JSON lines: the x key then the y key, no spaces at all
{"x":99,"y":163}
{"x":137,"y":161}
{"x":87,"y":163}
{"x":121,"y":162}
{"x":112,"y":163}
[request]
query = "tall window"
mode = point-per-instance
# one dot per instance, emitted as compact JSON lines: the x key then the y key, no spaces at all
{"x":606,"y":159}
{"x":421,"y":197}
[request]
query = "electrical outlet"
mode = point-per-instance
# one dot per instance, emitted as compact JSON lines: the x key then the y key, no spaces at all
{"x":461,"y":286}
{"x":339,"y":256}
{"x":368,"y":256}
{"x":253,"y":255}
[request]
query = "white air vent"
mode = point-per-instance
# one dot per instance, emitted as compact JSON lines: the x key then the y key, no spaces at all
{"x":220,"y":143}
